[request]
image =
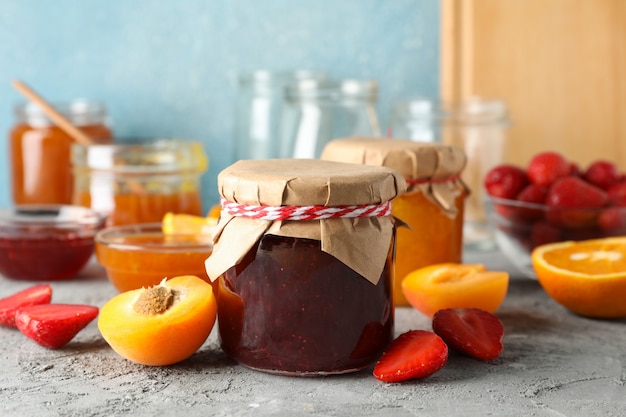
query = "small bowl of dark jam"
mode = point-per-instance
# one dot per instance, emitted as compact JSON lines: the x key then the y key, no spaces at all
{"x":46,"y":242}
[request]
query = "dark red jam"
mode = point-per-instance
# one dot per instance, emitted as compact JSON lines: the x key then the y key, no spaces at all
{"x":290,"y":308}
{"x":55,"y":256}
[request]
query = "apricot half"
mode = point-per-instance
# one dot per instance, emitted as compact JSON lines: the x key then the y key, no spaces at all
{"x":160,"y":325}
{"x":453,"y":285}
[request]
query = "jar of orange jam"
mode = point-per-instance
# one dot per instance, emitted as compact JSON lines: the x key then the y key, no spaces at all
{"x":40,"y":151}
{"x":433,"y":205}
{"x":139,"y":182}
{"x":303,"y":255}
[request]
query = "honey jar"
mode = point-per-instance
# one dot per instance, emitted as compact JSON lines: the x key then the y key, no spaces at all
{"x":432,"y":206}
{"x":139,"y":182}
{"x":303,"y":255}
{"x":40,"y":151}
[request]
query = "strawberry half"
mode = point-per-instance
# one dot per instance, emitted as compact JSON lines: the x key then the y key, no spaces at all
{"x":474,"y":332}
{"x":54,"y":325}
{"x":37,"y":294}
{"x":414,"y":354}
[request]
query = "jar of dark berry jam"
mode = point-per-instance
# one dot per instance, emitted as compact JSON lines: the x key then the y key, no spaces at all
{"x":304,"y":261}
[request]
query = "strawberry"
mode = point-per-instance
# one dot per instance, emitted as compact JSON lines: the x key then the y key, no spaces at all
{"x":414,"y":354}
{"x":602,"y":174}
{"x":54,"y":325}
{"x":617,"y":194}
{"x":505,"y":181}
{"x":533,"y":194}
{"x":574,"y":169}
{"x":37,"y":294}
{"x":543,"y":232}
{"x":570,"y":197}
{"x":471,"y":331}
{"x":546,"y":167}
{"x":613,"y":220}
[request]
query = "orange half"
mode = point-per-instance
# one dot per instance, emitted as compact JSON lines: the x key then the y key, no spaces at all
{"x":587,"y":277}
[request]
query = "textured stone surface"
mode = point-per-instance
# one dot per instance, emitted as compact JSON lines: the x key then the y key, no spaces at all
{"x":554,"y":364}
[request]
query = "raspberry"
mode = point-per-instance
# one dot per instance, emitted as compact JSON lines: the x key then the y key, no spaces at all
{"x":602,"y":174}
{"x":505,"y":181}
{"x":546,"y":167}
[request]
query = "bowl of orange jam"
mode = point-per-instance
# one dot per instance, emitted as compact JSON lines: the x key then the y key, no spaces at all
{"x":142,"y":255}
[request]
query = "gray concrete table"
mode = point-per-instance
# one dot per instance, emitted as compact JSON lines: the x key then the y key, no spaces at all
{"x":554,"y":364}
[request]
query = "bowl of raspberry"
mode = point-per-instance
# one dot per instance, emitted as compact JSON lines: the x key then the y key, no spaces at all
{"x":552,"y":200}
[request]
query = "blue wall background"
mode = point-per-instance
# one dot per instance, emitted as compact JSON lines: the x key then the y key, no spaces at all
{"x":170,"y":67}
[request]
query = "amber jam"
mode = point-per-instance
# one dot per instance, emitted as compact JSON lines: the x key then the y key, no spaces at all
{"x":289,"y":308}
{"x":41,"y":171}
{"x":141,"y":255}
{"x":139,"y":181}
{"x":433,"y":236}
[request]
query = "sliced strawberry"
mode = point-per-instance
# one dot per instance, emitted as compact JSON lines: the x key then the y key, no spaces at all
{"x":602,"y":174}
{"x":37,"y":294}
{"x":471,"y":331}
{"x":505,"y":181}
{"x":546,"y":167}
{"x":54,"y":325}
{"x":414,"y":354}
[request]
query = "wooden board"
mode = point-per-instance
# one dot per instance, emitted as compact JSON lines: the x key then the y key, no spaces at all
{"x":560,"y":65}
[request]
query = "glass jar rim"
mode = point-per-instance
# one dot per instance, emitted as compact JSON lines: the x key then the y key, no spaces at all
{"x":142,"y":157}
{"x":114,"y":237}
{"x":333,"y":90}
{"x":79,"y":111}
{"x":49,"y":216}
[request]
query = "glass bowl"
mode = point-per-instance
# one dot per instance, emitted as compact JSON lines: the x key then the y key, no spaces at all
{"x":46,"y":242}
{"x":519,"y":227}
{"x":141,"y":255}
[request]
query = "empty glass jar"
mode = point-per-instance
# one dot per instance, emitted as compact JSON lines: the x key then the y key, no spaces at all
{"x":259,"y":110}
{"x":318,"y":111}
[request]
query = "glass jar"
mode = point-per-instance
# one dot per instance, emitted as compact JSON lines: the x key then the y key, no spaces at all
{"x":319,"y":111}
{"x":259,"y":110}
{"x":304,"y":288}
{"x":479,"y":126}
{"x":432,"y":207}
{"x":40,"y":151}
{"x":140,"y":182}
{"x":418,"y":119}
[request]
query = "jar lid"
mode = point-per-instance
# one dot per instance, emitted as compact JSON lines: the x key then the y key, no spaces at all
{"x":362,"y":243}
{"x":160,"y":156}
{"x":431,"y":168}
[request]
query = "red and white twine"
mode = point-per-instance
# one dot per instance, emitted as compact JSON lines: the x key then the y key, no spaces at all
{"x":303,"y":213}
